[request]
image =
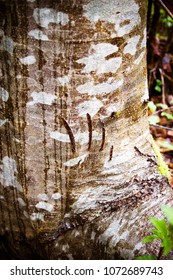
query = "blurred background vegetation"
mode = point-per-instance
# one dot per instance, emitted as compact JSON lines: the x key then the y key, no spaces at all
{"x":160,"y":75}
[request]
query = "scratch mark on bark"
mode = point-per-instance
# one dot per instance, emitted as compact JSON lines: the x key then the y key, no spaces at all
{"x":71,"y":135}
{"x":89,"y":120}
{"x":103,"y":136}
{"x":111,"y":153}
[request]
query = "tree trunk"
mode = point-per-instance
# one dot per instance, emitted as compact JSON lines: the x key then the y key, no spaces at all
{"x":78,"y":174}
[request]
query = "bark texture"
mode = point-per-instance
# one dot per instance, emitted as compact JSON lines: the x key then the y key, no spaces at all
{"x":78,"y":175}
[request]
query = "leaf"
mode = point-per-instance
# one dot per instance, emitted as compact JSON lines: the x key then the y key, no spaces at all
{"x":157,"y":233}
{"x":158,"y":88}
{"x":167,"y":115}
{"x":170,"y":19}
{"x":168,"y":212}
{"x":146,"y":257}
{"x":158,"y":82}
{"x":165,"y":144}
{"x":161,"y":226}
{"x":149,"y":238}
{"x":161,"y":105}
{"x":170,"y":230}
{"x":158,"y":85}
{"x":169,"y":24}
{"x":153,"y":119}
{"x":167,"y":244}
{"x":152,"y":106}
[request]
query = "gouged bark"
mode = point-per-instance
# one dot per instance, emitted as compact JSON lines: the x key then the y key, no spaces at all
{"x":78,"y":175}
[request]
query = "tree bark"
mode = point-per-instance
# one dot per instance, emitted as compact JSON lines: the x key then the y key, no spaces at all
{"x":78,"y":174}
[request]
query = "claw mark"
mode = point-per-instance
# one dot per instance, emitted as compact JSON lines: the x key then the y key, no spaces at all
{"x":111,"y":153}
{"x":89,"y":120}
{"x":71,"y":136}
{"x":103,"y":136}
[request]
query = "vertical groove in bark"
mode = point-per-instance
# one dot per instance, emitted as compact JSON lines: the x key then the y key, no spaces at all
{"x":16,"y":226}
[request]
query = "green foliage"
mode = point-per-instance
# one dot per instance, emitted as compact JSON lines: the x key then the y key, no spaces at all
{"x":165,"y":19}
{"x":152,"y":106}
{"x":162,"y":166}
{"x":158,"y":86}
{"x":153,"y":119}
{"x":163,"y":106}
{"x":167,"y":115}
{"x":163,"y":231}
{"x":146,"y":258}
{"x":165,"y":144}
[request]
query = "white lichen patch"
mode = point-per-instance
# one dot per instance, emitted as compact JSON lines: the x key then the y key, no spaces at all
{"x":75,"y":161}
{"x":76,"y":233}
{"x":91,"y":107}
{"x":118,"y":158}
{"x":42,"y":98}
{"x":97,"y":60}
{"x":99,"y":89}
{"x":131,"y":46}
{"x":8,"y":171}
{"x":127,"y":252}
{"x":114,"y":166}
{"x":82,"y":137}
{"x":144,"y":40}
{"x":25,"y":213}
{"x":28,"y":60}
{"x":65,"y":248}
{"x":6,"y":43}
{"x":16,"y":140}
{"x":63,"y":80}
{"x":1,"y":33}
{"x":56,"y":196}
{"x":93,"y":235}
{"x":2,"y":122}
{"x":138,"y":246}
{"x":44,"y":206}
{"x":89,"y":198}
{"x":37,"y":217}
{"x":21,"y":202}
{"x":43,"y":196}
{"x":139,"y":58}
{"x":145,"y":97}
{"x":113,"y":107}
{"x":124,"y":14}
{"x":111,"y":232}
{"x":44,"y":16}
{"x":4,"y":95}
{"x":38,"y":34}
{"x":60,"y":136}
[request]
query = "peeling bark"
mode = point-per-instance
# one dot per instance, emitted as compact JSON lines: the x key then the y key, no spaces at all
{"x":78,"y":174}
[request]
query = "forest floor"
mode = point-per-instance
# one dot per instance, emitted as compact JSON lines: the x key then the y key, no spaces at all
{"x":160,"y":79}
